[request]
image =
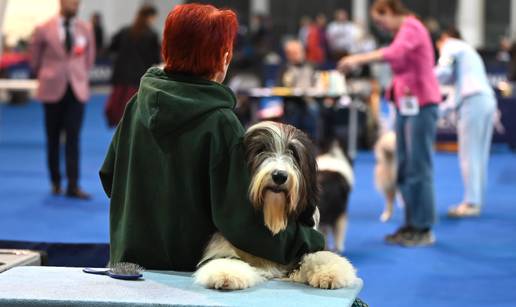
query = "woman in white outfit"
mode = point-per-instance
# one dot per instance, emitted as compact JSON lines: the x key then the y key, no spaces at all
{"x":475,"y":103}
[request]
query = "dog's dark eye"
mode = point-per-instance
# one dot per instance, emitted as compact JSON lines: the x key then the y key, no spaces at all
{"x":294,"y":152}
{"x":260,"y":149}
{"x":255,"y":147}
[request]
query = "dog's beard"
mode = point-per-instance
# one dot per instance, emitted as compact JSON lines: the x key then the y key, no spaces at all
{"x":275,"y":213}
{"x":277,"y":203}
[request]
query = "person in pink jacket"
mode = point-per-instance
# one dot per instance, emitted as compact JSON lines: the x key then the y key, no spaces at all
{"x":62,"y":51}
{"x":415,"y":91}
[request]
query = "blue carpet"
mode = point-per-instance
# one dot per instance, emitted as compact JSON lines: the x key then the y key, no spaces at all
{"x":472,"y":264}
{"x":29,"y":212}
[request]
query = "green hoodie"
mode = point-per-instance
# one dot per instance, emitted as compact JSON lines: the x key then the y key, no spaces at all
{"x":175,"y":173}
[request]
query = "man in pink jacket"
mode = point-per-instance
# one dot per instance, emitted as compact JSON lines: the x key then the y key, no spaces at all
{"x":62,"y":51}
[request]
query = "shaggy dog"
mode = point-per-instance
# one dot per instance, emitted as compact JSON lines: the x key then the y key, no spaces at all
{"x":283,"y":186}
{"x":385,"y":172}
{"x":336,"y":179}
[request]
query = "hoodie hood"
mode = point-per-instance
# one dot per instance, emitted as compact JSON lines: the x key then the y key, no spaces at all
{"x":166,"y":103}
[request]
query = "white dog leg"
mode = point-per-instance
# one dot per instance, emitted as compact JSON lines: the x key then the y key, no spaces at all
{"x":227,"y":274}
{"x":389,"y":206}
{"x":325,"y":270}
{"x":339,"y":233}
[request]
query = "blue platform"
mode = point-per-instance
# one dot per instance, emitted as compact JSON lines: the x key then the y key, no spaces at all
{"x":472,"y":264}
{"x":155,"y":289}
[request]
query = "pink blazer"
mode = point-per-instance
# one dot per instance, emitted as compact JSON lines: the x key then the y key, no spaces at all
{"x":56,"y":68}
{"x":411,"y":57}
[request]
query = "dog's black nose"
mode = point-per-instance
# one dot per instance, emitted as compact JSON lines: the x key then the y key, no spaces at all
{"x":279,"y":177}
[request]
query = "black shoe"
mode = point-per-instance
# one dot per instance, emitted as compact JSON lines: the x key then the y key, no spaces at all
{"x":418,"y":238}
{"x":56,"y":189}
{"x":396,"y":237}
{"x":78,"y":193}
{"x":411,"y":237}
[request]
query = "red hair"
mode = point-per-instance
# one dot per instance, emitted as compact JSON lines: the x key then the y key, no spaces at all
{"x":196,"y":37}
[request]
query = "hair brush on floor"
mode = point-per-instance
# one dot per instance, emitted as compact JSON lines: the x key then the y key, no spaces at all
{"x":121,"y":270}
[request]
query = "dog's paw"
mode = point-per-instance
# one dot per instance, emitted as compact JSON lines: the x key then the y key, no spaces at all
{"x":386,"y":216}
{"x":326,"y":280}
{"x":227,"y":281}
{"x":326,"y":270}
{"x":227,"y":274}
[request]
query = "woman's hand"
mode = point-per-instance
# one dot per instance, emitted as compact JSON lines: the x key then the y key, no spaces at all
{"x":347,"y":63}
{"x":351,"y":62}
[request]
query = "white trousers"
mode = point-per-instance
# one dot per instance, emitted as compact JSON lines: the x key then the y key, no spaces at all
{"x":475,"y":132}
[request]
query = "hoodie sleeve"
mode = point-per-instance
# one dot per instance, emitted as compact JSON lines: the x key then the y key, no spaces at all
{"x":108,"y":167}
{"x":243,"y":226}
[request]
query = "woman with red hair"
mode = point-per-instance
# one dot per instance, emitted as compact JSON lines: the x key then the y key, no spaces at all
{"x":175,"y":170}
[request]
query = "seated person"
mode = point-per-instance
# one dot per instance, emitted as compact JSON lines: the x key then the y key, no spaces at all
{"x":175,"y":170}
{"x":300,"y":112}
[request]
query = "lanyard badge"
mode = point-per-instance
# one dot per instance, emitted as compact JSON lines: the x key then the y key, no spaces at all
{"x":409,"y":104}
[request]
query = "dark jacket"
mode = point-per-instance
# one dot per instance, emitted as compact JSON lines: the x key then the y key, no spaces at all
{"x":512,"y":64}
{"x":133,"y":55}
{"x":176,"y":174}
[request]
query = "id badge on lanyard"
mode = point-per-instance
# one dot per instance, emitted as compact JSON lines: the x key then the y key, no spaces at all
{"x":409,"y":105}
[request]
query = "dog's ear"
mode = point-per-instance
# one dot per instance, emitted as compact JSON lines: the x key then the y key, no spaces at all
{"x":257,"y":140}
{"x":254,"y":140}
{"x":309,"y":194}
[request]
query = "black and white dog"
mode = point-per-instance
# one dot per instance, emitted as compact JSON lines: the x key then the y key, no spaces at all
{"x":335,"y":178}
{"x":284,"y":185}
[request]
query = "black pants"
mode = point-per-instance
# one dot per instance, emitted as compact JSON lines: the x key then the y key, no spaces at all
{"x":64,"y":116}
